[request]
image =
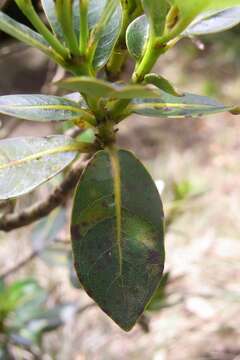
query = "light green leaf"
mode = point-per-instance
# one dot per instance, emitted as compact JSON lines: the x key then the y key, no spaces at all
{"x":190,"y":9}
{"x":50,"y":11}
{"x":117,"y":235}
{"x":23,"y":33}
{"x":161,"y":83}
{"x":213,"y":22}
{"x":156,"y":11}
{"x":169,"y":106}
{"x":42,"y":108}
{"x":26,"y":163}
{"x":100,"y":88}
{"x":136,"y":36}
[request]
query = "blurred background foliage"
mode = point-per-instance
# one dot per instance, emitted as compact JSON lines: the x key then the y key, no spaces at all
{"x":195,"y":312}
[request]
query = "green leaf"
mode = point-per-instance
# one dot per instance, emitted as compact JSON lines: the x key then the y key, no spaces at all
{"x":26,"y":163}
{"x":100,"y":88}
{"x":169,"y":106}
{"x":50,"y":11}
{"x":190,"y":9}
{"x":42,"y":108}
{"x":156,"y":11}
{"x":213,"y":22}
{"x":106,"y":29}
{"x":117,"y":235}
{"x":161,"y":83}
{"x":136,"y":36}
{"x":23,"y":33}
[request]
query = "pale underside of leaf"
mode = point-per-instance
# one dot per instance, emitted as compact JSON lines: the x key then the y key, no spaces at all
{"x":26,"y":163}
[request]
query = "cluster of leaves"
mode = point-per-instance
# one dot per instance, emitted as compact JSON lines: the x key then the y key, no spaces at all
{"x":117,"y":219}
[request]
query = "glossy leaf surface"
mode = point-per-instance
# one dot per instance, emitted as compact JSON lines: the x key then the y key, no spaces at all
{"x":42,"y":108}
{"x":188,"y":105}
{"x":213,"y":22}
{"x":137,"y":36}
{"x":25,"y":163}
{"x":117,"y":235}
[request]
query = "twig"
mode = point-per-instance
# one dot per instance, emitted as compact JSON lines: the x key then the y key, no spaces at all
{"x":43,"y":208}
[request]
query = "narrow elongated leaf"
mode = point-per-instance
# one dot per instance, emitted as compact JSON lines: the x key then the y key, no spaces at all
{"x":156,"y":11}
{"x":50,"y":11}
{"x":188,"y":105}
{"x":107,"y":33}
{"x":117,"y":235}
{"x":42,"y":108}
{"x":23,"y":33}
{"x":213,"y":22}
{"x":161,"y":83}
{"x":101,"y":88}
{"x":26,"y":163}
{"x":137,"y":36}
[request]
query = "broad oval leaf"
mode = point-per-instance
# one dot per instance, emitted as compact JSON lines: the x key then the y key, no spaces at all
{"x":117,"y":235}
{"x":187,"y":105}
{"x":42,"y":108}
{"x":213,"y":22}
{"x":26,"y":163}
{"x":136,"y":36}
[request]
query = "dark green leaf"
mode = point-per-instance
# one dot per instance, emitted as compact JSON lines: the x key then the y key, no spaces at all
{"x":117,"y":235}
{"x":42,"y":108}
{"x":188,"y":105}
{"x":213,"y":22}
{"x":161,"y":83}
{"x":26,"y":163}
{"x":137,"y":36}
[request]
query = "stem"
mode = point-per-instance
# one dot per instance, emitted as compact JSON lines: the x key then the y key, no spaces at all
{"x":64,"y":10}
{"x":84,"y":31}
{"x":35,"y":20}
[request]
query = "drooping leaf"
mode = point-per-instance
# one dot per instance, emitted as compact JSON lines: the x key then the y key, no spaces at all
{"x":105,"y":29}
{"x":213,"y":22}
{"x":50,"y":11}
{"x":23,"y":33}
{"x":26,"y":163}
{"x":117,"y":235}
{"x":42,"y":108}
{"x":100,"y":88}
{"x":156,"y":11}
{"x":169,"y":106}
{"x":161,"y":83}
{"x":137,"y":36}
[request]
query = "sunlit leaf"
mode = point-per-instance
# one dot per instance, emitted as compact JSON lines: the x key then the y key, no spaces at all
{"x":25,"y":163}
{"x":117,"y":235}
{"x":156,"y":11}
